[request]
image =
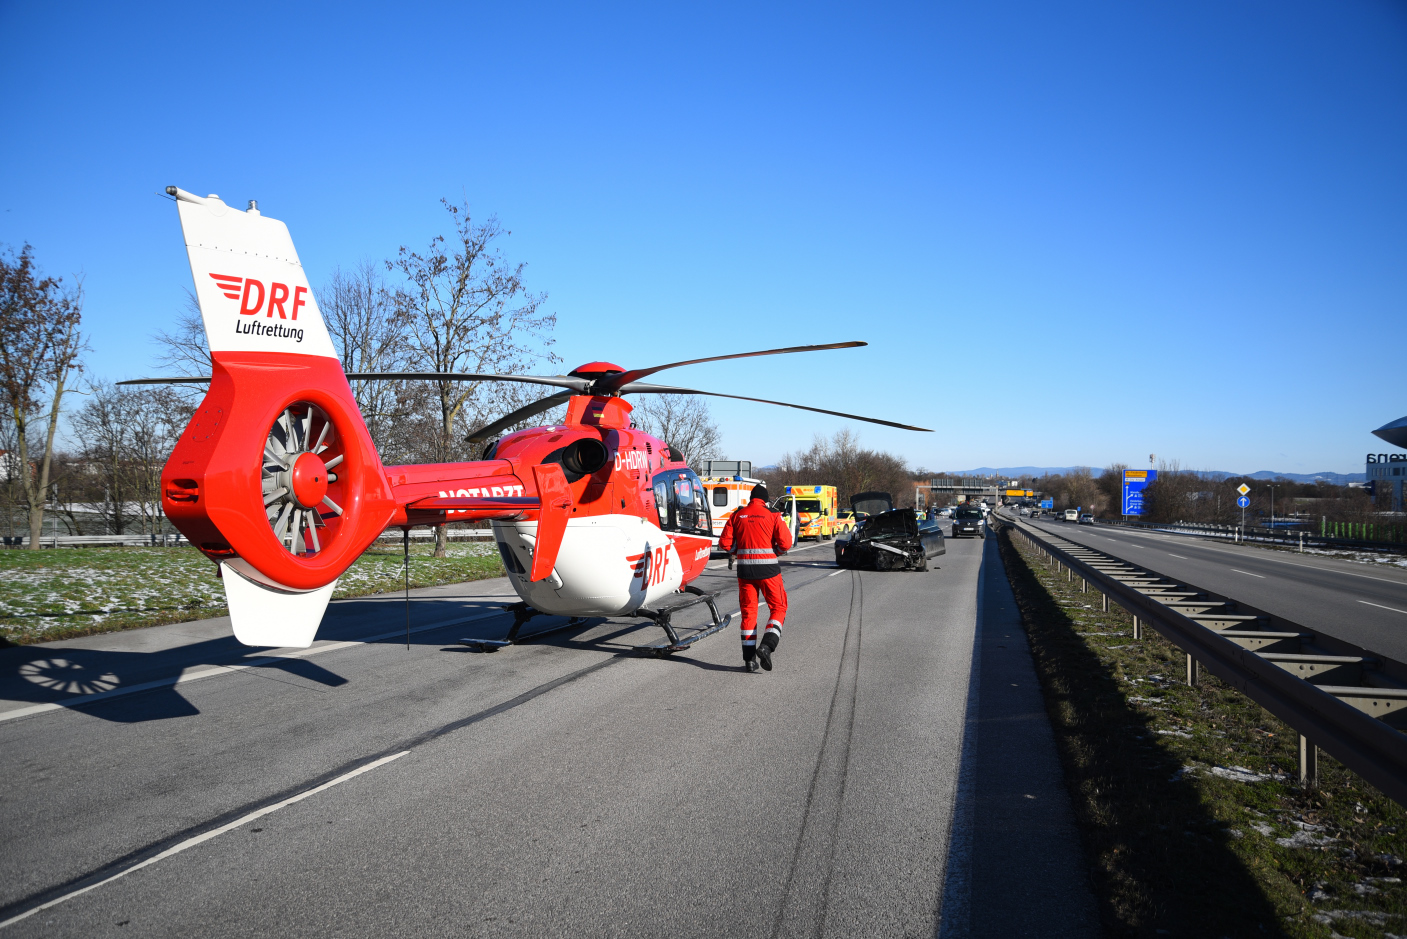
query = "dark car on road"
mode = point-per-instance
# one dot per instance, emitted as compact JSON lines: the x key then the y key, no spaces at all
{"x":967,"y":520}
{"x":886,"y":538}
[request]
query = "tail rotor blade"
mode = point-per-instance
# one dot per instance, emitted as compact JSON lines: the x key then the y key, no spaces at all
{"x":640,"y":387}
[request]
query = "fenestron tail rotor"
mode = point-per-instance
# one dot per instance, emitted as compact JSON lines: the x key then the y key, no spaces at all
{"x":300,"y":456}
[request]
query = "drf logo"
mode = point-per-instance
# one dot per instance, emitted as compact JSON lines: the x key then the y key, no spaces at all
{"x":250,"y":294}
{"x":652,"y":565}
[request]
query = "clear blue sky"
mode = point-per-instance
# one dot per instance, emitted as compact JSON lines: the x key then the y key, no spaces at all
{"x":1071,"y":233}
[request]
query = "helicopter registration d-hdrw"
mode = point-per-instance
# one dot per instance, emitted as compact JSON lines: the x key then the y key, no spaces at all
{"x":276,"y":478}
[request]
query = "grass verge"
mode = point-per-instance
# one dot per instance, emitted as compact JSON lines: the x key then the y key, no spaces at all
{"x":66,"y":592}
{"x":1186,"y":797}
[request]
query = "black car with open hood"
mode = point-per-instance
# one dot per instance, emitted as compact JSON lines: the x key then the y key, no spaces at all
{"x":888,"y":539}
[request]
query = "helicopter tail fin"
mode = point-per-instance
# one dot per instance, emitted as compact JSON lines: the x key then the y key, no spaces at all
{"x":276,"y":477}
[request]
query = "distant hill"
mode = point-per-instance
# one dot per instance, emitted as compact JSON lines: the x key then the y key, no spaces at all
{"x":1338,"y":479}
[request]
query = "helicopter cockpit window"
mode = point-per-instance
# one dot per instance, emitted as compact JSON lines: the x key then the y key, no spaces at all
{"x":662,"y":501}
{"x":701,"y":500}
{"x":682,"y":503}
{"x":687,"y":513}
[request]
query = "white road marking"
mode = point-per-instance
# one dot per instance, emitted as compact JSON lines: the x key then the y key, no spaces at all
{"x":841,"y":571}
{"x":1381,"y":607}
{"x":197,"y":675}
{"x":1247,"y":573}
{"x":213,"y":833}
{"x":1178,"y":556}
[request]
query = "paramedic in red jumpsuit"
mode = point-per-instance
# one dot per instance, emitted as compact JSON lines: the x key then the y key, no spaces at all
{"x":757,"y":535}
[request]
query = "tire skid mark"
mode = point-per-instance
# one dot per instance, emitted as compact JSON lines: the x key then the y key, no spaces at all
{"x":141,"y":856}
{"x":805,"y":898}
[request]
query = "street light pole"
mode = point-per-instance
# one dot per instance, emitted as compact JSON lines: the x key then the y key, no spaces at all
{"x":1272,"y":506}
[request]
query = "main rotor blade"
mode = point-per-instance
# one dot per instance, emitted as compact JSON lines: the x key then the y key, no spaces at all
{"x":167,"y":381}
{"x":559,"y":381}
{"x":614,"y":384}
{"x":522,"y":414}
{"x":639,"y":387}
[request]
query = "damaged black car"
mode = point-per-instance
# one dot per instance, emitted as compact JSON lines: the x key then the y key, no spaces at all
{"x":889,"y":539}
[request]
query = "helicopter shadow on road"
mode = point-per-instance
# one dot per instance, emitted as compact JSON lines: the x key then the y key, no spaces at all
{"x":560,"y":632}
{"x":43,"y":675}
{"x":69,"y":673}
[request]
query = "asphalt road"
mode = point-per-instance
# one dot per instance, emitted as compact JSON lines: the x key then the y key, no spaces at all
{"x":1362,"y":604}
{"x":567,"y":786}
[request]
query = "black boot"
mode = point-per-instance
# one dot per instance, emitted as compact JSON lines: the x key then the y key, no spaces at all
{"x":749,"y":659}
{"x":765,"y":650}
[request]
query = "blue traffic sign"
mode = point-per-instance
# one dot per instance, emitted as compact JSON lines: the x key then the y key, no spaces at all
{"x":1243,"y":502}
{"x":1134,"y":483}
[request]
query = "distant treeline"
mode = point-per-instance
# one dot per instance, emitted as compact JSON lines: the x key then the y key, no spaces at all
{"x":1180,"y":495}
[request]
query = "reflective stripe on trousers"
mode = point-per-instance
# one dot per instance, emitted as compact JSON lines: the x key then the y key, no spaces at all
{"x":774,"y":592}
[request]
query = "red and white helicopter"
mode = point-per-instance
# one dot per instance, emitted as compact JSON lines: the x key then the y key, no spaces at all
{"x":276,"y":478}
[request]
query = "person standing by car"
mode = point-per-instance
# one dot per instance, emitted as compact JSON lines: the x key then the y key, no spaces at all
{"x":757,"y":535}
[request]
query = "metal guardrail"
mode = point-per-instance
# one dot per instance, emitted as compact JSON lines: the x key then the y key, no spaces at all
{"x":428,"y":534}
{"x":158,"y":540}
{"x":175,"y":539}
{"x":1339,"y":697}
{"x":1301,"y":537}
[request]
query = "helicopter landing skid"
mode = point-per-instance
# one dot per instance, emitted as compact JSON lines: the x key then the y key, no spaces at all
{"x":662,"y":618}
{"x":521,"y":614}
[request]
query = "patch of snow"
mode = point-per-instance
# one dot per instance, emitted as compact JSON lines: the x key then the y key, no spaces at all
{"x":1368,"y":916}
{"x":1241,"y":774}
{"x":1307,"y":837}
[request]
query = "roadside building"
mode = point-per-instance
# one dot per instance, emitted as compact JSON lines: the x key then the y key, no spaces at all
{"x":1386,"y":472}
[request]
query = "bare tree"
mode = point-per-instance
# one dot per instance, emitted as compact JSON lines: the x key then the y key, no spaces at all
{"x":39,"y":320}
{"x":185,"y":350}
{"x":101,"y":428}
{"x":683,"y":422}
{"x":466,"y":309}
{"x":11,"y":473}
{"x":125,"y":437}
{"x":1111,"y":485}
{"x":156,"y":417}
{"x":369,"y":336}
{"x":843,"y":463}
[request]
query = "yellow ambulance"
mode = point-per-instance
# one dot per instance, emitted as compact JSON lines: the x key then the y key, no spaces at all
{"x":816,"y":508}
